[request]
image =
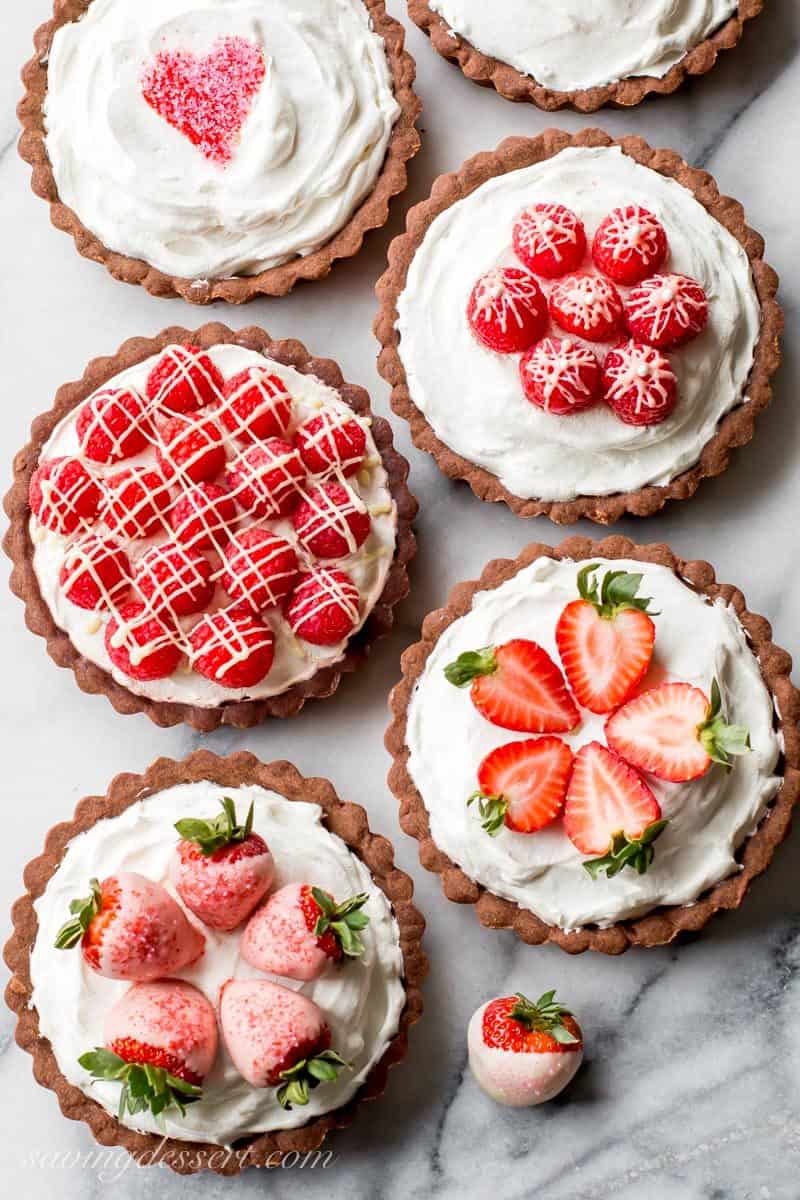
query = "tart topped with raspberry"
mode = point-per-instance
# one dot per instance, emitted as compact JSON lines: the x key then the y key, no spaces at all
{"x":610,"y":327}
{"x":213,"y":530}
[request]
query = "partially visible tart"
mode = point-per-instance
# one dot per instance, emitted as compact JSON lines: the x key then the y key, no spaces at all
{"x":579,"y":52}
{"x":205,"y":1033}
{"x":621,"y":782}
{"x":578,"y":327}
{"x":210,"y":527}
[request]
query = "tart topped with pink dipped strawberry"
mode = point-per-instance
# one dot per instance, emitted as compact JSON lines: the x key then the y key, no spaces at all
{"x":210,"y":527}
{"x":578,"y":327}
{"x":581,"y":742}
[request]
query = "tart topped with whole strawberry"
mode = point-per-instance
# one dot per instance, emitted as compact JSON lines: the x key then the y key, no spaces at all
{"x":609,"y":326}
{"x":210,"y":528}
{"x":582,"y":741}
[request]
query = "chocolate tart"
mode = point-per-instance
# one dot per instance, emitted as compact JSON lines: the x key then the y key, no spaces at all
{"x":91,"y":677}
{"x":343,"y":818}
{"x":736,"y":427}
{"x":662,"y":924}
{"x":512,"y":84}
{"x":372,"y":213}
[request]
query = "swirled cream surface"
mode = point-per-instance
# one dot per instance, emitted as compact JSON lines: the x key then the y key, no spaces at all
{"x":309,"y":150}
{"x":473,"y":398}
{"x":362,"y":1001}
{"x":709,"y":818}
{"x":568,"y":44}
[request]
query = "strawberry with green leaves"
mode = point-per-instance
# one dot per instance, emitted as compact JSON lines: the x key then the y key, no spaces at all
{"x":523,"y":785}
{"x":301,"y":929}
{"x":516,"y":686}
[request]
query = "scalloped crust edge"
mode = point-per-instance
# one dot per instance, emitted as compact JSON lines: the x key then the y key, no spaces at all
{"x":663,"y":924}
{"x":91,"y":678}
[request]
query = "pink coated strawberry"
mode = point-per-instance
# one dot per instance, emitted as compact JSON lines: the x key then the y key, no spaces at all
{"x":560,"y":376}
{"x":63,"y":495}
{"x":232,"y":647}
{"x":331,"y":442}
{"x":324,"y":607}
{"x":140,"y":644}
{"x":332,"y":522}
{"x":639,"y":384}
{"x":301,"y":929}
{"x":666,"y":310}
{"x":130,"y":928}
{"x":549,"y":239}
{"x":256,"y":405}
{"x":203,"y":516}
{"x":267,"y":480}
{"x":587,"y":306}
{"x":507,"y":311}
{"x":174,"y":580}
{"x":190,"y":449}
{"x":136,"y":502}
{"x":113,"y":424}
{"x":630,"y":244}
{"x":221,"y":870}
{"x":259,"y":568}
{"x":183,"y":379}
{"x":516,"y":686}
{"x":95,"y":574}
{"x":523,"y":785}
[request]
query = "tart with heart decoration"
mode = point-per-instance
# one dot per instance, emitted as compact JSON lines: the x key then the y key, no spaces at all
{"x":210,"y":527}
{"x":220,"y":149}
{"x":215,"y":963}
{"x":579,"y":53}
{"x":596,"y":745}
{"x":609,"y":322}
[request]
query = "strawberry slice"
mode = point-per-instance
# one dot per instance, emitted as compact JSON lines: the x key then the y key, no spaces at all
{"x":523,"y":785}
{"x":605,"y":639}
{"x":610,"y":811}
{"x":516,"y":686}
{"x":675,"y":732}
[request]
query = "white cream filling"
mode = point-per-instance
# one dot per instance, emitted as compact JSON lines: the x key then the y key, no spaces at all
{"x":362,"y":1001}
{"x":295,"y":660}
{"x":570,"y":44}
{"x":309,"y":151}
{"x":473,"y":397}
{"x":696,"y":642}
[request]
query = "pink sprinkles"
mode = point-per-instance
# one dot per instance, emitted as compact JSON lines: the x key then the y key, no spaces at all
{"x":206,"y":99}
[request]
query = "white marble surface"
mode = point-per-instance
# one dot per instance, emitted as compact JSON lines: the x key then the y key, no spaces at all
{"x":690,"y":1089}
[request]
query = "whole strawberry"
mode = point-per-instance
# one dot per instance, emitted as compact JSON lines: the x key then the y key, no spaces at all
{"x":301,"y":929}
{"x":221,"y":869}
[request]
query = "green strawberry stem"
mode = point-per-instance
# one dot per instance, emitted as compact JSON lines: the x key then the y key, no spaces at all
{"x":470,"y":665}
{"x":617,"y":592}
{"x":637,"y":853}
{"x":307,"y":1074}
{"x":492,"y":810}
{"x":546,"y":1015}
{"x":344,"y":920}
{"x":83,"y":911}
{"x":721,"y":741}
{"x":144,"y":1087}
{"x":215,"y":834}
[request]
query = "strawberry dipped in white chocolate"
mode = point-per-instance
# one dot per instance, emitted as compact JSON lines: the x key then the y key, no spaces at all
{"x":301,"y":929}
{"x":523,"y":1053}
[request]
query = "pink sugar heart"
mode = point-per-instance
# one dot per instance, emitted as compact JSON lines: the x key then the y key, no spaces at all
{"x":207,"y":99}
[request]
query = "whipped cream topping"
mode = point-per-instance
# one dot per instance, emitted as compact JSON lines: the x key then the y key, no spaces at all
{"x":362,"y":1001}
{"x":473,"y":397}
{"x":295,"y":660}
{"x":310,"y":149}
{"x":709,"y":818}
{"x":569,"y":44}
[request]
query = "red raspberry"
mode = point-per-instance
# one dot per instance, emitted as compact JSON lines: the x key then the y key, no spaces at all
{"x":202,"y":516}
{"x":561,"y":377}
{"x":586,"y":305}
{"x":260,"y":568}
{"x":194,"y":450}
{"x":140,"y":645}
{"x":331,"y":441}
{"x":95,"y":574}
{"x":549,"y":239}
{"x":183,"y":380}
{"x":331,"y":522}
{"x":62,"y":495}
{"x":257,"y":405}
{"x":666,"y":310}
{"x":629,"y":245}
{"x":136,"y":502}
{"x":113,"y":424}
{"x":507,"y":311}
{"x":324,"y":608}
{"x":232,"y":647}
{"x":266,"y":480}
{"x":174,"y":579}
{"x":639,"y":384}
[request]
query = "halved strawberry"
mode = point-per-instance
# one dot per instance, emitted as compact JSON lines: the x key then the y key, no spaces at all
{"x":523,"y":785}
{"x":610,"y":811}
{"x":675,"y":733}
{"x":516,"y":686}
{"x":605,"y":639}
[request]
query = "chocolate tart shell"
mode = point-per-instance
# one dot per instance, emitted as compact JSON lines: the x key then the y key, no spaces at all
{"x":664,"y":923}
{"x":372,"y":213}
{"x":512,"y":84}
{"x":736,"y":427}
{"x":90,"y":677}
{"x":347,"y":820}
